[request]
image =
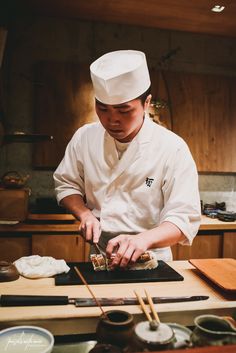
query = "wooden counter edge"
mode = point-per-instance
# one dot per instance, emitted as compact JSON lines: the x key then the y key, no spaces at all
{"x":206,"y":222}
{"x":51,"y":217}
{"x":67,"y":222}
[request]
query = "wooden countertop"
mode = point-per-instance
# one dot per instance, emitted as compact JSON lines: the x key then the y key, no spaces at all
{"x":67,"y":319}
{"x":208,"y":223}
{"x":47,"y":223}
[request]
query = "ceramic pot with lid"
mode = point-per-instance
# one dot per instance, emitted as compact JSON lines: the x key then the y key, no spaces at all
{"x":152,"y":337}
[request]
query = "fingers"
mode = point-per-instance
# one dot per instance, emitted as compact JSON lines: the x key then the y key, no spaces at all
{"x":88,"y":231}
{"x":112,"y":245}
{"x":128,"y":250}
{"x":91,"y":230}
{"x":96,"y":232}
{"x":127,"y":256}
{"x":123,"y":255}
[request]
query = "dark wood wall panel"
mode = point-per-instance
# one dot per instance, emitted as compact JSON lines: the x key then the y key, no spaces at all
{"x":64,"y":101}
{"x":200,"y":108}
{"x":204,"y":114}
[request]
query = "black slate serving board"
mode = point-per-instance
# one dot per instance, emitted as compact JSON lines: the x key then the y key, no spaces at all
{"x":162,"y":273}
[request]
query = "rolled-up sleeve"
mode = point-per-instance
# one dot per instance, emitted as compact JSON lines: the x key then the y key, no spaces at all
{"x":181,"y":194}
{"x":69,"y":175}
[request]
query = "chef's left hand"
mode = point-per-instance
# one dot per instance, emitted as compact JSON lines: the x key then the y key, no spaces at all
{"x":128,"y":248}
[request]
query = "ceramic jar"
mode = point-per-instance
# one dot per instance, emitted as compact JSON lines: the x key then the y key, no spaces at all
{"x":212,"y":330}
{"x":116,"y":328}
{"x":8,"y":272}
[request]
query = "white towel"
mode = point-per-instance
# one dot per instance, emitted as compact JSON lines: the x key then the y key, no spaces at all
{"x":36,"y":266}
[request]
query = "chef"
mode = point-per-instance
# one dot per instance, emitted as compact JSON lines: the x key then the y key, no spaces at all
{"x":132,"y":183}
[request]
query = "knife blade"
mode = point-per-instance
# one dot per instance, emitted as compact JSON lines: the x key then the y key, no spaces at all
{"x":83,"y":302}
{"x":97,"y":249}
{"x":35,"y":300}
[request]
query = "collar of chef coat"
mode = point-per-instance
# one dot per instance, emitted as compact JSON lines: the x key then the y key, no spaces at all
{"x":135,"y":150}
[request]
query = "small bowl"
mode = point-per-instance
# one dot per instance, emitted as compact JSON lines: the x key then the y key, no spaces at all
{"x":33,"y":339}
{"x":8,"y":272}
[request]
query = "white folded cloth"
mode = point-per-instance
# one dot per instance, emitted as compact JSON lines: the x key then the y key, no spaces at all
{"x":36,"y":266}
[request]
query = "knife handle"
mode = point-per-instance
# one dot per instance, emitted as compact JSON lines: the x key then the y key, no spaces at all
{"x":32,"y":300}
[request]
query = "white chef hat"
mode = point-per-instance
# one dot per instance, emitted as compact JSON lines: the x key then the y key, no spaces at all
{"x":120,"y":76}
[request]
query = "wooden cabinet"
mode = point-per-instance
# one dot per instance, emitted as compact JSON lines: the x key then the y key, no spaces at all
{"x":71,"y":248}
{"x":58,"y":236}
{"x":46,"y":235}
{"x":208,"y":246}
{"x":229,"y":245}
{"x":203,"y":247}
{"x":204,"y":114}
{"x":68,"y":247}
{"x":12,"y":248}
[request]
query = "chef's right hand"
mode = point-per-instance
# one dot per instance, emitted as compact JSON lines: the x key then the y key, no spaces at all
{"x":90,"y":227}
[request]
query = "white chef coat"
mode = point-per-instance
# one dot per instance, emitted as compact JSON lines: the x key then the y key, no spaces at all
{"x":155,"y":181}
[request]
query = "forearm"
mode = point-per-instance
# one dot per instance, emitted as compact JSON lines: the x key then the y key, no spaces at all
{"x":130,"y":247}
{"x":89,"y":224}
{"x":75,"y":204}
{"x":166,"y":234}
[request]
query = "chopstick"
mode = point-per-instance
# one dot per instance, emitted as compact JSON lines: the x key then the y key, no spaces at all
{"x":144,"y":309}
{"x":141,"y":302}
{"x":90,"y":291}
{"x":152,"y":307}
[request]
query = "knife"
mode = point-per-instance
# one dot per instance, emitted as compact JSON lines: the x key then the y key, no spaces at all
{"x":97,"y":249}
{"x":35,"y":300}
